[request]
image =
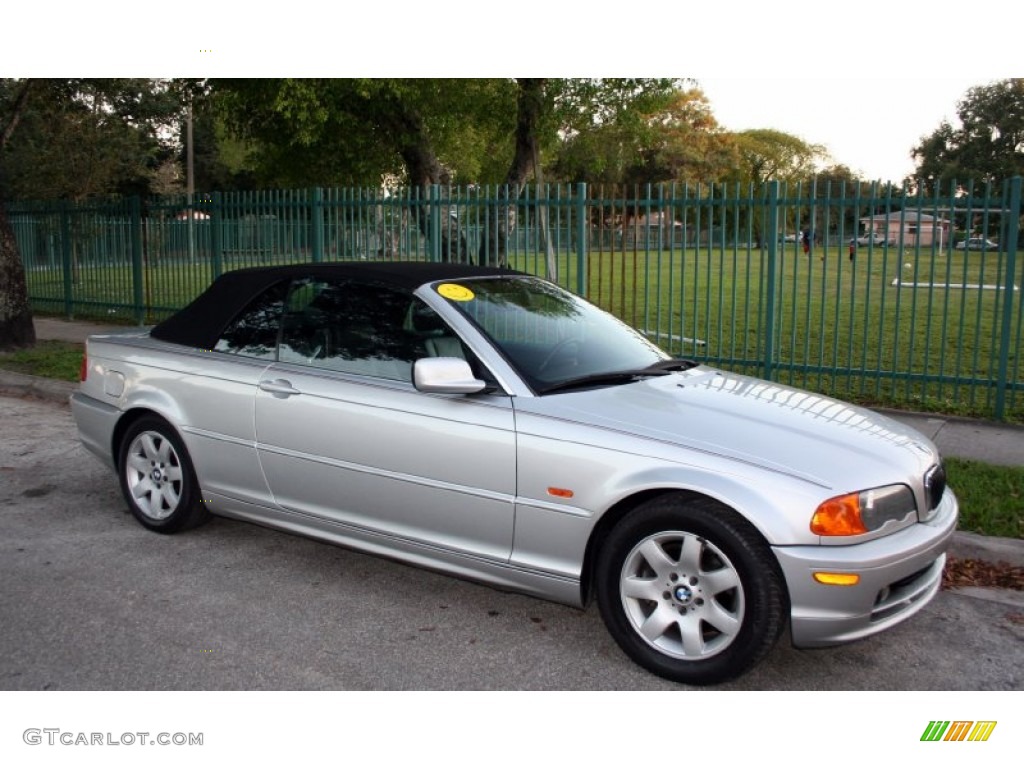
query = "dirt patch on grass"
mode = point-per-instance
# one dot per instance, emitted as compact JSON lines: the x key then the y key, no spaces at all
{"x":965,"y":572}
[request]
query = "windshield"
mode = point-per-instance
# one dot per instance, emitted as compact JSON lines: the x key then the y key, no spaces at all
{"x":549,"y":335}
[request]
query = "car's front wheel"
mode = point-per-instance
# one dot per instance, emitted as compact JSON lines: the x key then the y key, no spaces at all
{"x":157,"y":478}
{"x":690,"y":590}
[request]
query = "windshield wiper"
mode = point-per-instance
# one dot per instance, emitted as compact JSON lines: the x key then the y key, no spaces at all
{"x":672,"y":364}
{"x":597,"y":379}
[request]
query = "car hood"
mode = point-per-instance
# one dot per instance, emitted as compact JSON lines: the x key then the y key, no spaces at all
{"x":776,"y":427}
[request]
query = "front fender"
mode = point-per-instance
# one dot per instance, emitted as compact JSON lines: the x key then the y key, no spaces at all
{"x":553,"y":533}
{"x":779,"y":507}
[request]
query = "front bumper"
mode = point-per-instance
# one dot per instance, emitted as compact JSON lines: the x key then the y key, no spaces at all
{"x":899,"y":575}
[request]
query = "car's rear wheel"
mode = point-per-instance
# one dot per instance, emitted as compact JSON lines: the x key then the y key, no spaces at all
{"x":690,"y":590}
{"x":157,"y":478}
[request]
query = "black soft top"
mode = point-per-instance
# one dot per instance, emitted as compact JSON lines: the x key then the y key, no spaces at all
{"x":201,"y":323}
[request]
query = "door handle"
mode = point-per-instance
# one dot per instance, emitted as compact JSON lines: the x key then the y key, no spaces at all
{"x":279,"y":388}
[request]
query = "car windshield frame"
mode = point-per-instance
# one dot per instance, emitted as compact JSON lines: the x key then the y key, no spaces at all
{"x":550,"y":336}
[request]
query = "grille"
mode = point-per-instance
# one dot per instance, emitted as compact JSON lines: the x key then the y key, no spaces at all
{"x":908,"y":580}
{"x":908,"y":592}
{"x":935,"y":485}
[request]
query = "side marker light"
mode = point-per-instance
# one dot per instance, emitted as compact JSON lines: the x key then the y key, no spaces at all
{"x":836,"y":579}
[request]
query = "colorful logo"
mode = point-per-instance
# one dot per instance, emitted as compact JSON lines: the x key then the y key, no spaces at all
{"x":455,"y":292}
{"x":959,"y":730}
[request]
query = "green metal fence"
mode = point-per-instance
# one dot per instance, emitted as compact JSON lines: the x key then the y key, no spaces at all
{"x":902,"y":315}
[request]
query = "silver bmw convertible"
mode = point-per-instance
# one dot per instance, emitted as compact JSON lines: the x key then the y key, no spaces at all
{"x":492,"y":425}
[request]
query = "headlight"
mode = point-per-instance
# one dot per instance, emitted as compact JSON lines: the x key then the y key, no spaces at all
{"x":857,"y":513}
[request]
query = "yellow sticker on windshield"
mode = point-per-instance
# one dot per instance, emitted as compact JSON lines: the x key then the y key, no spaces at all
{"x":455,"y":292}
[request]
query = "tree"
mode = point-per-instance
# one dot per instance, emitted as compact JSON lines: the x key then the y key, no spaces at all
{"x":222,"y":160}
{"x":686,"y":143}
{"x":88,"y":137}
{"x":611,"y":130}
{"x":425,"y":132}
{"x":770,"y":155}
{"x":72,"y":139}
{"x":554,"y":114}
{"x":533,"y":103}
{"x":358,"y":132}
{"x":354,"y":132}
{"x":16,"y":329}
{"x":988,"y":145}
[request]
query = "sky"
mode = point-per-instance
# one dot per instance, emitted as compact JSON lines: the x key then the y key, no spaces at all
{"x":869,"y":124}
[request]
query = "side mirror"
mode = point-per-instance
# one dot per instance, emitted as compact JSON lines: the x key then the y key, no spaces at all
{"x":445,"y":376}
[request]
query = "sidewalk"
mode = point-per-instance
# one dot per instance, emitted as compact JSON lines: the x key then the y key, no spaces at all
{"x":51,"y":329}
{"x":986,"y":441}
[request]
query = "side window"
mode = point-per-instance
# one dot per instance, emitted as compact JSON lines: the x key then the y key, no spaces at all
{"x":360,"y":328}
{"x":254,"y":332}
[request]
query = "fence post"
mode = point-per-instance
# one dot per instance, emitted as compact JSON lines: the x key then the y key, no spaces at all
{"x":769,"y":312}
{"x":138,"y":300}
{"x":318,"y":224}
{"x":1012,"y":238}
{"x":581,"y":239}
{"x":216,"y":236}
{"x":435,"y":223}
{"x":65,"y":255}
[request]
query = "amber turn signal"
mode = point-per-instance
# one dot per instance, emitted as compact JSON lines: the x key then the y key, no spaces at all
{"x":836,"y":579}
{"x":839,"y":517}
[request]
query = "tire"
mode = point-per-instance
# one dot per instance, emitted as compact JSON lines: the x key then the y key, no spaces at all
{"x":690,"y":591}
{"x":157,"y":478}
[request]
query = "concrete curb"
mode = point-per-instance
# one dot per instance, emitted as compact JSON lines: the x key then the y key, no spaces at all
{"x":989,"y":549}
{"x":24,"y":385}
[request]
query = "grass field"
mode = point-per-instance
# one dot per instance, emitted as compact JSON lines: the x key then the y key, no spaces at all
{"x":991,"y":498}
{"x":50,"y":359}
{"x":840,"y":327}
{"x":853,"y":329}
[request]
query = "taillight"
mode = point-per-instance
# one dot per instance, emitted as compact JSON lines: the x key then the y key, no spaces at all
{"x":84,"y":370}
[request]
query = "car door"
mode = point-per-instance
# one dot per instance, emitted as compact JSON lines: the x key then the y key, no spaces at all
{"x":344,"y":437}
{"x":217,"y":389}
